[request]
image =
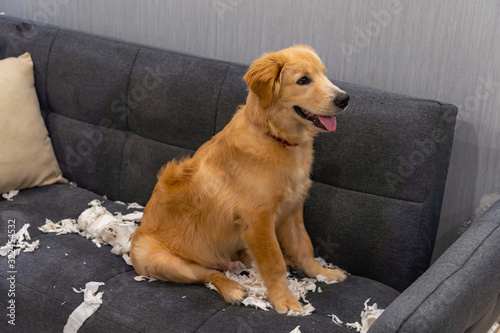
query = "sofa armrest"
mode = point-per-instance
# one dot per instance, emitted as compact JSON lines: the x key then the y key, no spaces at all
{"x":459,"y":292}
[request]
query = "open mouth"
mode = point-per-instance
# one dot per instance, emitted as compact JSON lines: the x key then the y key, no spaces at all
{"x":326,"y":123}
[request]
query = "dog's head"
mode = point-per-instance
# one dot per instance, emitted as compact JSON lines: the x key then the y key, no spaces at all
{"x":293,"y":91}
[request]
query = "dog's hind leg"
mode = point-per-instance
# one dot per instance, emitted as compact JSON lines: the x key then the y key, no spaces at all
{"x":151,"y":258}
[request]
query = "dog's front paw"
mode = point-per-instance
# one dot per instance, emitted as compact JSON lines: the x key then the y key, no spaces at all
{"x":286,"y":304}
{"x":332,"y":276}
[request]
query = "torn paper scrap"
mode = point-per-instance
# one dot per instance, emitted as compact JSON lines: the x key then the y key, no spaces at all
{"x":134,"y":205}
{"x":368,"y":317}
{"x":10,"y":195}
{"x":91,"y":302}
{"x":209,"y":285}
{"x":324,"y":263}
{"x":17,"y":242}
{"x":296,"y":330}
{"x":357,"y":326}
{"x":127,"y":259}
{"x":144,"y":278}
{"x":135,"y":216}
{"x":66,"y":226}
{"x":336,"y":320}
{"x":30,"y":247}
{"x":306,"y":311}
{"x":324,"y":279}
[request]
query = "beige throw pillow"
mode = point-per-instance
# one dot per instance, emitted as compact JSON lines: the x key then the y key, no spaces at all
{"x":27,"y":158}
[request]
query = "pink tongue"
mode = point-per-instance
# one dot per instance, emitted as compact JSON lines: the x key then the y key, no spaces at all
{"x":329,"y":122}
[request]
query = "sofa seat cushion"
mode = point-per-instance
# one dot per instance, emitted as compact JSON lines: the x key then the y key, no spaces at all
{"x":45,"y":278}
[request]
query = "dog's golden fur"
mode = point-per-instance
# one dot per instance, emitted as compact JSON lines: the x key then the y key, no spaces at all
{"x":241,"y":196}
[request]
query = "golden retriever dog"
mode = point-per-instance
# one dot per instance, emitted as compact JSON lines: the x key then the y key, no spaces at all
{"x":241,"y":196}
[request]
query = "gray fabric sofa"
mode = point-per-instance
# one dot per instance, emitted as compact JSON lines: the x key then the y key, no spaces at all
{"x":116,"y":112}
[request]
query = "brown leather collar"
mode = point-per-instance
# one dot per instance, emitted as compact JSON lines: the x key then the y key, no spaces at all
{"x":283,"y":141}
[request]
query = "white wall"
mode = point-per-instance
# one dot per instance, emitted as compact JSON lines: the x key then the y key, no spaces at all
{"x":447,"y":50}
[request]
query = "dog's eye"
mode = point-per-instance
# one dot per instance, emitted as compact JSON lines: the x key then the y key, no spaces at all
{"x":303,"y":81}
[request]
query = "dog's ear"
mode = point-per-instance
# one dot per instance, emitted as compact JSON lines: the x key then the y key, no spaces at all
{"x":264,"y":77}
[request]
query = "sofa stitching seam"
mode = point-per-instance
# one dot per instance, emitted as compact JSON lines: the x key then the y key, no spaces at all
{"x":47,"y":69}
{"x":368,"y":193}
{"x":127,"y":131}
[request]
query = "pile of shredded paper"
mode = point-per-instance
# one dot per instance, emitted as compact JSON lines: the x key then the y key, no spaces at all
{"x":257,"y":293}
{"x":104,"y":228}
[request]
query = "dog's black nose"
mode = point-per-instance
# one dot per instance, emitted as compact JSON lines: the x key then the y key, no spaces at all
{"x":341,"y":100}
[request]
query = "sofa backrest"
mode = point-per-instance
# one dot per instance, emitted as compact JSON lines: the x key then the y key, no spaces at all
{"x":116,"y":112}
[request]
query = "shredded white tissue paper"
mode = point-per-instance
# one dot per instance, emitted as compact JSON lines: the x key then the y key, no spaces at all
{"x":102,"y":227}
{"x":368,"y":316}
{"x":257,"y":292}
{"x":91,"y":302}
{"x":336,"y":320}
{"x":17,"y":242}
{"x":144,"y":278}
{"x":126,"y":258}
{"x":10,"y":195}
{"x":324,"y":279}
{"x":134,"y":205}
{"x":296,"y":330}
{"x":135,"y":216}
{"x":307,"y":309}
{"x":66,"y":226}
